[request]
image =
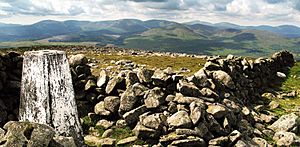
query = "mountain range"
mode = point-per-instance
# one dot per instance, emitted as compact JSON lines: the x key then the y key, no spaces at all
{"x":161,"y":35}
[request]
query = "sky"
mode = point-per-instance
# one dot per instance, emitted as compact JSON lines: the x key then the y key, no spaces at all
{"x":243,"y":12}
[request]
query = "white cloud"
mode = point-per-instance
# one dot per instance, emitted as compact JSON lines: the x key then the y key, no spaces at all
{"x":236,"y":11}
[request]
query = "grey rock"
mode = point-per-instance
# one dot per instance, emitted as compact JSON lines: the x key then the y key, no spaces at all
{"x":217,"y":110}
{"x":188,"y":89}
{"x":283,"y":138}
{"x":234,"y":136}
{"x":289,"y":122}
{"x":145,"y":75}
{"x":143,"y":132}
{"x":78,"y":59}
{"x":121,"y":123}
{"x":223,"y":78}
{"x":133,"y":115}
{"x":112,"y":103}
{"x":200,"y":79}
{"x":127,"y":140}
{"x":89,"y":85}
{"x":105,"y":123}
{"x":131,"y":96}
{"x":131,"y":78}
{"x":27,"y":133}
{"x":195,"y":141}
{"x":100,"y":109}
{"x":220,"y":141}
{"x":102,"y":79}
{"x":113,"y":84}
{"x":62,"y":141}
{"x":261,"y":142}
{"x":154,"y":98}
{"x":195,"y":112}
{"x":180,"y":119}
{"x":273,"y":105}
{"x":107,"y":133}
{"x":179,"y":98}
{"x":167,"y":139}
{"x":153,"y":121}
{"x":160,"y":78}
{"x":107,"y":142}
{"x":208,"y":93}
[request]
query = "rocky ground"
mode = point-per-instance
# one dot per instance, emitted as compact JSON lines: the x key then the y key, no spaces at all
{"x":231,"y":101}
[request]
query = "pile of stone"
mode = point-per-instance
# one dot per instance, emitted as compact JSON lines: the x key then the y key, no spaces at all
{"x":10,"y":82}
{"x":213,"y":107}
{"x":209,"y":108}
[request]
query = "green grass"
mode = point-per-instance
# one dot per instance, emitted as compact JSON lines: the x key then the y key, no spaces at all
{"x":162,"y":62}
{"x":292,"y":83}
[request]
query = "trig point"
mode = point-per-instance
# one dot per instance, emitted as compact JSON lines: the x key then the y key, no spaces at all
{"x":47,"y":94}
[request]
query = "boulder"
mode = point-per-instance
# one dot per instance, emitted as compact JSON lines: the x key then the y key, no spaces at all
{"x":131,"y":78}
{"x":191,"y":141}
{"x":154,"y":121}
{"x":105,"y":123}
{"x":78,"y":59}
{"x":224,"y":78}
{"x":145,"y":75}
{"x":200,"y":79}
{"x":283,"y":138}
{"x":133,"y":115}
{"x":145,"y":133}
{"x":112,"y":103}
{"x":217,"y":110}
{"x":62,"y":141}
{"x":114,"y":83}
{"x":288,"y":122}
{"x":188,"y":89}
{"x":131,"y":96}
{"x":27,"y":134}
{"x":100,"y":109}
{"x":90,"y":84}
{"x":195,"y":112}
{"x":180,"y":119}
{"x":102,"y":79}
{"x":127,"y":140}
{"x":154,"y":98}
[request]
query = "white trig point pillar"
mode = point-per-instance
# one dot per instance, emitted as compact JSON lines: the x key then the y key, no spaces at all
{"x":47,"y":94}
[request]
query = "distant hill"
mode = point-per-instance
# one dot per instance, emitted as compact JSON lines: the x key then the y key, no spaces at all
{"x":162,"y":35}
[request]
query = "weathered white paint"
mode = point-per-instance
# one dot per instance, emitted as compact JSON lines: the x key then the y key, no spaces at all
{"x":47,"y":94}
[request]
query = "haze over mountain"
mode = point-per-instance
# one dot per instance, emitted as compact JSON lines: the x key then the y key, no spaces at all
{"x":162,"y":35}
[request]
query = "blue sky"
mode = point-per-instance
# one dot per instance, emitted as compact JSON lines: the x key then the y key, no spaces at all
{"x":244,"y":12}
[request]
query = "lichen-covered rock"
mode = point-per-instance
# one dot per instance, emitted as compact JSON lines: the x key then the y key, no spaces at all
{"x":188,"y":89}
{"x":133,"y":115}
{"x":217,"y":110}
{"x":191,"y":141}
{"x":180,"y":119}
{"x":102,"y":79}
{"x":283,"y":138}
{"x":154,"y":121}
{"x":27,"y":134}
{"x":195,"y":112}
{"x":78,"y":59}
{"x":144,"y":132}
{"x":223,"y":78}
{"x":114,"y":83}
{"x":154,"y":98}
{"x":131,"y":96}
{"x":105,"y":123}
{"x":100,"y":109}
{"x":131,"y":78}
{"x":112,"y":103}
{"x":145,"y":75}
{"x":289,"y":122}
{"x":127,"y":140}
{"x":61,"y":141}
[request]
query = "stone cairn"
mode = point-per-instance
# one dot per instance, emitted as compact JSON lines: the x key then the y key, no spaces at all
{"x":216,"y":106}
